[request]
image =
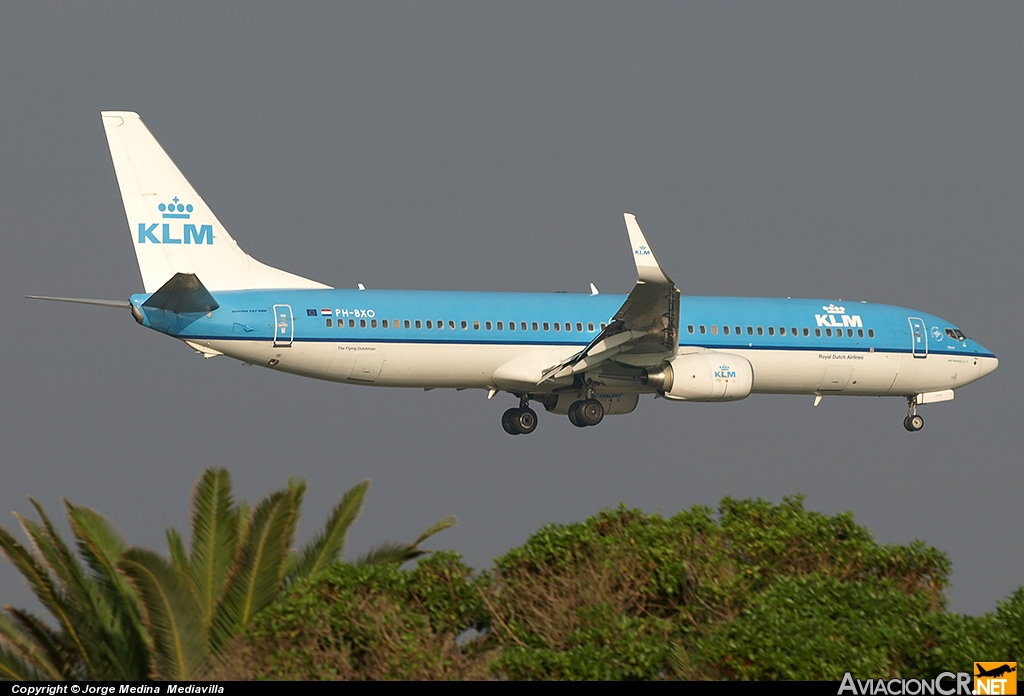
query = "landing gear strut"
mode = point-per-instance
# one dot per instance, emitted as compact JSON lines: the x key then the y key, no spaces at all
{"x":520,"y":421}
{"x":912,"y":422}
{"x":584,"y":413}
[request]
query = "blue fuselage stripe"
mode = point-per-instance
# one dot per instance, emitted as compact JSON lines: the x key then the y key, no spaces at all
{"x":250,"y":316}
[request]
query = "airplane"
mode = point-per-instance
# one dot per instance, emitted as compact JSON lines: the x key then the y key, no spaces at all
{"x":584,"y":356}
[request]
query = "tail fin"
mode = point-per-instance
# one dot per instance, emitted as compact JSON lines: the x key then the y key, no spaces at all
{"x":172,"y":228}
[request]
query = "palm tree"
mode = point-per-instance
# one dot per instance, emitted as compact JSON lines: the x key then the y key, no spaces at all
{"x":137,"y":615}
{"x":100,"y":634}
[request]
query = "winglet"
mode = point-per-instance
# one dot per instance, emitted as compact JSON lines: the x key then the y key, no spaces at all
{"x":647,"y":266}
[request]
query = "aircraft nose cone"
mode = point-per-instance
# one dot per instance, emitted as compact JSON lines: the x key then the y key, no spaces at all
{"x":988,"y":365}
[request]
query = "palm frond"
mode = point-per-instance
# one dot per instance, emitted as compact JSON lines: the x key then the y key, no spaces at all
{"x":389,"y":552}
{"x":327,"y":546}
{"x":176,"y":547}
{"x":61,"y":653}
{"x":48,"y":594}
{"x":124,"y":637}
{"x":439,"y":526}
{"x":171,"y":614}
{"x":256,"y":577}
{"x":22,"y":646}
{"x":214,"y":538}
{"x":15,"y":668}
{"x":392,"y":552}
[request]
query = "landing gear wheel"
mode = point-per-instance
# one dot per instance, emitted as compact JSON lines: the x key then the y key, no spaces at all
{"x":590,"y":412}
{"x":524,"y":420}
{"x":913,"y":423}
{"x":506,"y":421}
{"x":574,"y":414}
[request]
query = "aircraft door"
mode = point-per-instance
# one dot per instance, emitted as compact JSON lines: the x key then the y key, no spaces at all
{"x":918,"y":337}
{"x":284,"y":326}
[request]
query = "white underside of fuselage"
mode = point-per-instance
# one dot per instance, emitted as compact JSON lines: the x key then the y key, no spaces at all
{"x":468,"y":366}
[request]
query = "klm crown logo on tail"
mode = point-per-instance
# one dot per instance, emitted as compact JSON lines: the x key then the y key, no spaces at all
{"x":175,"y":210}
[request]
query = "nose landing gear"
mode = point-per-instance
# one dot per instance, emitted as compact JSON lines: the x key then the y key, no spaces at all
{"x":912,"y":422}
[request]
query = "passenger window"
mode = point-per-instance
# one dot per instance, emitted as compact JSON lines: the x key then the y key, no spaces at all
{"x":604,"y":326}
{"x":849,"y":333}
{"x":817,"y":332}
{"x":373,"y":323}
{"x":535,"y":328}
{"x":558,"y":327}
{"x":579,"y":326}
{"x":689,"y":329}
{"x":771,"y":330}
{"x":430,"y":324}
{"x":703,"y":329}
{"x":871,"y":333}
{"x":714,"y":329}
{"x":828,"y":332}
{"x":522,"y":325}
{"x":568,"y":326}
{"x":590,"y":326}
{"x":511,"y":326}
{"x":760,"y":331}
{"x":419,"y":324}
{"x":739,"y":330}
{"x":395,"y":324}
{"x":546,"y":327}
{"x":451,"y":324}
{"x":488,"y":325}
{"x":860,"y":333}
{"x":384,"y":323}
{"x":794,"y":331}
{"x":750,"y":330}
{"x":725,"y":329}
{"x":407,"y":324}
{"x":807,"y":332}
{"x":351,"y":323}
{"x":329,"y":323}
{"x":465,"y":325}
{"x":476,"y":326}
{"x":782,"y":330}
{"x":362,"y":323}
{"x":500,"y":326}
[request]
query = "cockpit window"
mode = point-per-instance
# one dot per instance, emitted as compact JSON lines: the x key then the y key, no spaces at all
{"x":956,"y":334}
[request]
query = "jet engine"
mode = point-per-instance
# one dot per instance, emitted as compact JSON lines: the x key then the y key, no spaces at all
{"x":703,"y":377}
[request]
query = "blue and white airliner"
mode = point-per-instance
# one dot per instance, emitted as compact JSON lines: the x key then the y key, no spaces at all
{"x":584,"y":356}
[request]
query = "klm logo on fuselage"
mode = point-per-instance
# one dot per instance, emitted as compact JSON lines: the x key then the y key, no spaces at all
{"x":168,"y":232}
{"x":836,"y":316}
{"x":724,"y":372}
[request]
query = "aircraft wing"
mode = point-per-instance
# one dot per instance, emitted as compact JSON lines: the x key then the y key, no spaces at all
{"x":646,"y":325}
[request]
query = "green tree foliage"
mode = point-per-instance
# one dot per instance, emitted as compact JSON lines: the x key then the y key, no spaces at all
{"x":752,"y":591}
{"x":131,"y":613}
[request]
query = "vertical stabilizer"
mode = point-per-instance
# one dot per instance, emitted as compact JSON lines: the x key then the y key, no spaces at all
{"x":172,"y":228}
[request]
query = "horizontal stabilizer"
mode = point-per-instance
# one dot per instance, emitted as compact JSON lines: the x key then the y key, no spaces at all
{"x":120,"y":304}
{"x":182,"y":293}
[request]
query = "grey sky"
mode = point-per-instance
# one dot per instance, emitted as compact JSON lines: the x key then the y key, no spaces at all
{"x":854,"y":151}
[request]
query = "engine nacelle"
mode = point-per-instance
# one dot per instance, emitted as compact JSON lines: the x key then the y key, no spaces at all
{"x":615,"y":404}
{"x":703,"y":377}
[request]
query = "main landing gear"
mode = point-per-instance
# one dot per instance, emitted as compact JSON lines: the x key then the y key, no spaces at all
{"x":912,"y":422}
{"x":520,"y":421}
{"x":584,"y":413}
